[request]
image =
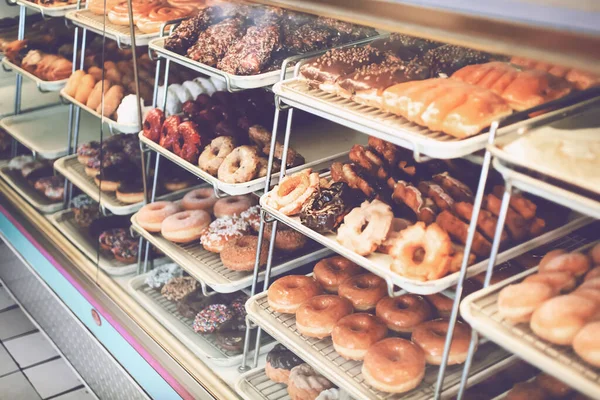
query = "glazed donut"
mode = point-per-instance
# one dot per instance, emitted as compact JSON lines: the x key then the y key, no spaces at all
{"x":199,"y":199}
{"x":554,"y":387}
{"x":293,"y":191}
{"x":185,"y":226}
{"x":586,"y":343}
{"x":239,"y":254}
{"x":112,"y":99}
{"x":589,"y":293}
{"x":280,"y":362}
{"x":517,"y":302}
{"x":97,"y":6}
{"x":431,"y":337}
{"x":403,"y":313}
{"x":151,"y":22}
{"x":560,"y":281}
{"x":441,"y":303}
{"x":366,"y":227}
{"x":526,"y":391}
{"x":559,"y":319}
{"x":348,"y":173}
{"x":232,"y":205}
{"x":153,"y":124}
{"x":331,"y":272}
{"x":595,"y":254}
{"x":590,"y":284}
{"x":394,"y":365}
{"x":306,"y":384}
{"x":437,"y":247}
{"x":119,"y":14}
{"x":187,"y":3}
{"x":398,"y":225}
{"x":86,"y":85}
{"x":95,"y":96}
{"x":363,"y":291}
{"x":551,"y":255}
{"x":576,"y":264}
{"x":286,"y":294}
{"x":215,"y":153}
{"x":169,"y":133}
{"x":151,"y":216}
{"x":190,"y":149}
{"x":221,"y":231}
{"x":317,"y":316}
{"x":592,"y":274}
{"x":73,"y":82}
{"x":355,"y":333}
{"x":239,"y":166}
{"x":286,"y":239}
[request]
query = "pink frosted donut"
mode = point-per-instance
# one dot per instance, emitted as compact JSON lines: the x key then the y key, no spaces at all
{"x":200,"y":199}
{"x":233,"y":205}
{"x":185,"y":226}
{"x":151,"y":216}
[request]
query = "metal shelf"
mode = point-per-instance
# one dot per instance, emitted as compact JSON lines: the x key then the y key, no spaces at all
{"x":28,"y":192}
{"x":42,"y":85}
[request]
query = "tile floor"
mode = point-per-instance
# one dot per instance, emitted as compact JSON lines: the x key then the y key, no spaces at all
{"x":30,"y":366}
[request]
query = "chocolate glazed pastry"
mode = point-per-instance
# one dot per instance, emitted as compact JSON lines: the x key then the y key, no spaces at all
{"x":214,"y":42}
{"x":194,"y":302}
{"x":447,"y":59}
{"x":325,"y":210}
{"x":280,"y":362}
{"x":231,"y":334}
{"x":400,"y":45}
{"x":250,"y":54}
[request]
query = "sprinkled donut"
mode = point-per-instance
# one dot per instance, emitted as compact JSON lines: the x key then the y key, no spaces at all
{"x":213,"y":316}
{"x":222,"y":230}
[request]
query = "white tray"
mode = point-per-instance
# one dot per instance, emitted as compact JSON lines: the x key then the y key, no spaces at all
{"x":320,"y":143}
{"x":255,"y":385}
{"x":47,"y":11}
{"x":48,"y":86}
{"x":28,"y":192}
{"x":379,"y":263}
{"x":165,"y":311}
{"x":320,"y":354}
{"x":45,"y":131}
{"x":31,"y":97}
{"x":112,"y":124}
{"x":480,"y":311}
{"x":386,"y":126}
{"x":207,"y":267}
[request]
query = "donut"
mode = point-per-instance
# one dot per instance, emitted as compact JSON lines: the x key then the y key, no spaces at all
{"x":554,"y":387}
{"x":317,"y":316}
{"x":431,"y":337}
{"x":215,"y":153}
{"x":363,"y":291}
{"x":398,"y":225}
{"x":222,"y":230}
{"x":86,"y":85}
{"x":98,"y":6}
{"x":588,"y":293}
{"x":241,"y":165}
{"x":366,"y":227}
{"x":551,"y":255}
{"x":126,"y":251}
{"x":211,"y":318}
{"x":152,"y":21}
{"x":394,"y":365}
{"x":199,"y":199}
{"x":293,"y":191}
{"x":185,"y":226}
{"x":109,"y":238}
{"x":331,"y":272}
{"x":561,"y":281}
{"x":355,"y":333}
{"x":559,"y":319}
{"x":112,"y":99}
{"x":586,"y":343}
{"x":403,"y":313}
{"x":590,"y":284}
{"x":517,"y":302}
{"x":442,"y":304}
{"x":592,"y":273}
{"x":73,"y":83}
{"x":306,"y":384}
{"x":286,"y":239}
{"x":280,"y":362}
{"x":95,"y":96}
{"x":231,"y":334}
{"x":577,"y":264}
{"x":174,"y":184}
{"x":119,"y":14}
{"x":232,"y":205}
{"x":287,"y":294}
{"x":595,"y":254}
{"x":151,"y":216}
{"x":252,"y":217}
{"x":526,"y":391}
{"x":325,"y":209}
{"x":239,"y":254}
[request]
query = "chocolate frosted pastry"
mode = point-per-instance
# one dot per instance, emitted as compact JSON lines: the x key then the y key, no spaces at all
{"x":403,"y":45}
{"x":194,"y":302}
{"x":280,"y":362}
{"x":250,"y":54}
{"x":325,"y":210}
{"x":85,"y":210}
{"x":304,"y":38}
{"x":443,"y":61}
{"x":186,"y":34}
{"x":346,"y":31}
{"x":265,"y":15}
{"x":177,"y":288}
{"x":51,"y":186}
{"x":231,"y":334}
{"x":214,"y":42}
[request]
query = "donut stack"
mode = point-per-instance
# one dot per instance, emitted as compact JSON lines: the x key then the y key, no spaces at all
{"x":351,"y":306}
{"x":560,"y":302}
{"x":39,"y":174}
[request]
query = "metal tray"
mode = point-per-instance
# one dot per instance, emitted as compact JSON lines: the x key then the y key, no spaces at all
{"x":320,"y":354}
{"x":31,"y":97}
{"x":46,"y":86}
{"x":28,"y":192}
{"x":47,"y":11}
{"x":480,"y":311}
{"x":165,"y":311}
{"x":207,"y":267}
{"x":379,"y":263}
{"x":112,"y":124}
{"x":45,"y":131}
{"x":255,"y":385}
{"x":74,"y":171}
{"x":320,"y":143}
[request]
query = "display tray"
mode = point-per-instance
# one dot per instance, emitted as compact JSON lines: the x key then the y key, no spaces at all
{"x":308,"y":141}
{"x":47,"y":86}
{"x":28,"y":192}
{"x":31,"y":97}
{"x":255,"y":385}
{"x":386,"y":126}
{"x":112,"y":124}
{"x":207,"y":267}
{"x":103,"y":27}
{"x":45,"y":131}
{"x":379,"y":263}
{"x":320,"y":354}
{"x":480,"y":311}
{"x":74,"y":171}
{"x":57,"y":11}
{"x":165,"y":311}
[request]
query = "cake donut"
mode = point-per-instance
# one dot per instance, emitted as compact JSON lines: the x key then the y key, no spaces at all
{"x":305,"y":383}
{"x":280,"y":362}
{"x":317,"y":316}
{"x":252,"y":217}
{"x":286,"y":294}
{"x":222,"y":230}
{"x":363,"y":291}
{"x":431,"y":337}
{"x":239,"y":166}
{"x":239,"y":254}
{"x":331,"y":272}
{"x":366,"y":227}
{"x":151,"y":216}
{"x":233,"y":205}
{"x":355,"y":333}
{"x":185,"y":226}
{"x":286,"y":239}
{"x":586,"y":345}
{"x":200,"y":199}
{"x":177,"y":288}
{"x":517,"y":302}
{"x":403,"y":313}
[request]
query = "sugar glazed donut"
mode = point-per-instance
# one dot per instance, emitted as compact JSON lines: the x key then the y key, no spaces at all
{"x":305,"y":384}
{"x":331,"y":272}
{"x":403,"y":313}
{"x":561,"y":281}
{"x":431,"y":337}
{"x":577,"y":264}
{"x":280,"y":362}
{"x":239,"y":166}
{"x":317,"y":316}
{"x":355,"y":333}
{"x":151,"y":216}
{"x":586,"y":343}
{"x":185,"y":226}
{"x":232,"y":205}
{"x":441,"y":303}
{"x":293,"y":191}
{"x":200,"y":199}
{"x":366,"y":227}
{"x":287,"y":294}
{"x":394,"y":365}
{"x":239,"y":254}
{"x":214,"y":154}
{"x":286,"y":239}
{"x":517,"y":302}
{"x":363,"y":291}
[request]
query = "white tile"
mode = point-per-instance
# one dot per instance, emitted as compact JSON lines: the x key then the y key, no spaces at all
{"x":15,"y":386}
{"x":5,"y":299}
{"x":52,"y":378}
{"x":81,"y":394}
{"x":14,"y":322}
{"x":7,"y":365}
{"x":30,"y":349}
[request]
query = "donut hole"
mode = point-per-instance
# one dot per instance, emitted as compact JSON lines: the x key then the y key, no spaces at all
{"x":362,"y":285}
{"x":320,"y":306}
{"x":394,"y":357}
{"x":418,"y":255}
{"x":438,"y":332}
{"x":400,"y":305}
{"x":356,"y":328}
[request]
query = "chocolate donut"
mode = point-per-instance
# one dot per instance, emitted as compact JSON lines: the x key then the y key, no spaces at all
{"x":231,"y":334}
{"x":192,"y":303}
{"x":280,"y":361}
{"x":211,"y":318}
{"x":325,"y":210}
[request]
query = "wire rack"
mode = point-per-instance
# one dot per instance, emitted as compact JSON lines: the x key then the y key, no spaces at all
{"x":48,"y":11}
{"x":255,"y":385}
